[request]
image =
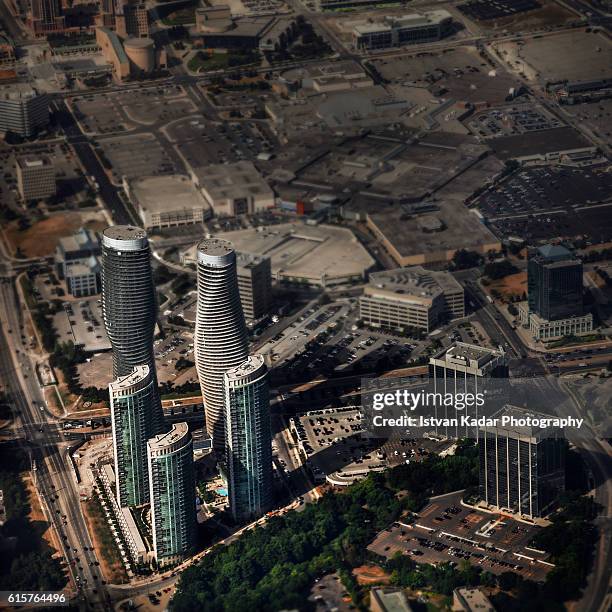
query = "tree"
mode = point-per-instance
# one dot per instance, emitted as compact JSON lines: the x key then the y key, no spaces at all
{"x":463,"y":259}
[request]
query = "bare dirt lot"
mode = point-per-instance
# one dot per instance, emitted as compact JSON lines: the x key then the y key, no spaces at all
{"x":511,"y":286}
{"x":371,"y":574}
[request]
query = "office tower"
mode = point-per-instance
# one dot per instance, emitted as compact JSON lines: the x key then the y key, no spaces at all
{"x":23,"y":110}
{"x":135,"y":417}
{"x":522,"y":468}
{"x":172,"y":493}
{"x":220,"y":332}
{"x":35,"y":178}
{"x":249,"y":439}
{"x":254,"y":284}
{"x":128,"y":297}
{"x":468,"y":368}
{"x":554,"y":282}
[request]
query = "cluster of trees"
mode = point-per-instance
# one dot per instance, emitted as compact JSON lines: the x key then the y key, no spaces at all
{"x":273,"y":568}
{"x":29,"y":566}
{"x":462,"y":259}
{"x":499,"y":269}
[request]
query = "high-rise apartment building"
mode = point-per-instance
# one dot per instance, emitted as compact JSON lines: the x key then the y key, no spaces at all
{"x":554,"y":282}
{"x":522,"y":468}
{"x":128,"y":297}
{"x":172,"y":493}
{"x":45,"y":17}
{"x":249,"y":439}
{"x":221,"y":341}
{"x":22,"y":109}
{"x":135,"y":417}
{"x":35,"y":178}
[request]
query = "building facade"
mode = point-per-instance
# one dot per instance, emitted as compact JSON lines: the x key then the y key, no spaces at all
{"x":254,"y":284}
{"x":23,"y":110}
{"x":404,"y":30}
{"x":554,"y":283}
{"x":221,"y":341}
{"x":35,"y":178}
{"x":411,"y":297}
{"x":135,"y":417}
{"x":249,"y":439}
{"x":172,"y":493}
{"x":522,"y":469}
{"x":128,"y":297}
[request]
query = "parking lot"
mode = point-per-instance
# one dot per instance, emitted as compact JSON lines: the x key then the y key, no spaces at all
{"x":487,"y":10}
{"x":81,"y":323}
{"x":517,"y":119}
{"x":137,"y":156}
{"x":447,"y":531}
{"x":596,"y":116}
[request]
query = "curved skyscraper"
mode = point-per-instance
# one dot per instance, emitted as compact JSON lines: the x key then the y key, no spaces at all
{"x":172,"y":482}
{"x":128,"y":297}
{"x":221,"y":340}
{"x":249,"y":439}
{"x":135,"y":417}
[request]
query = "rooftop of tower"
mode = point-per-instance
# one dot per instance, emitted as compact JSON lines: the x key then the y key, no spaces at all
{"x":252,"y":364}
{"x":126,"y":237}
{"x":136,"y":376}
{"x":171,"y":440}
{"x":214,"y":251}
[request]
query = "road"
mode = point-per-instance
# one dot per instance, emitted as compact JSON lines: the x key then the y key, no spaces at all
{"x":42,"y":439}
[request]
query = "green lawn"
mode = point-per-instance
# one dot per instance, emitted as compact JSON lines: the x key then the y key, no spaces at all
{"x":222,"y":61}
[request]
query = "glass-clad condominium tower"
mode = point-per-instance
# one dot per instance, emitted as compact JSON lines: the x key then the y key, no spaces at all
{"x":522,"y":468}
{"x":249,"y":439}
{"x":220,"y":332}
{"x":135,"y":417}
{"x":128,"y":297}
{"x":172,"y":482}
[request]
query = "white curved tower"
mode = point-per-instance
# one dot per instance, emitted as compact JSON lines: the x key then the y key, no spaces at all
{"x":221,"y":340}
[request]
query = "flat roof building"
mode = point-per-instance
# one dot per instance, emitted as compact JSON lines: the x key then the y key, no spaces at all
{"x":471,"y":600}
{"x":254,"y":284}
{"x":77,"y":248}
{"x":411,"y":297}
{"x":522,"y":467}
{"x":35,"y":178}
{"x":167,"y":201}
{"x":23,"y":110}
{"x":397,"y":31}
{"x":234,"y":189}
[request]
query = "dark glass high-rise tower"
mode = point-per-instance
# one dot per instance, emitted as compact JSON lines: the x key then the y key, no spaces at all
{"x":554,"y":283}
{"x":128,"y":297}
{"x":221,"y":340}
{"x":249,"y":439}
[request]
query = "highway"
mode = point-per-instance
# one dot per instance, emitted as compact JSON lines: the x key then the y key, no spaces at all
{"x":42,"y":439}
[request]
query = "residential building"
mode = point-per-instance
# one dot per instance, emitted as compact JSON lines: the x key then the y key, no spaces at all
{"x":135,"y":417}
{"x":254,"y":284}
{"x":234,"y":189}
{"x":35,"y":178}
{"x":411,"y":297}
{"x":23,"y":110}
{"x":172,"y":482}
{"x":220,"y":341}
{"x":249,"y":439}
{"x":394,"y":31}
{"x":129,"y":305}
{"x":45,"y":17}
{"x":522,"y":468}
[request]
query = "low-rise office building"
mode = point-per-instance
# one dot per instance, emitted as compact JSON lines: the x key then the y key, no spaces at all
{"x":167,"y":201}
{"x":471,"y":600}
{"x":398,"y":31}
{"x":234,"y":189}
{"x":35,"y":178}
{"x":411,"y":297}
{"x":254,"y":284}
